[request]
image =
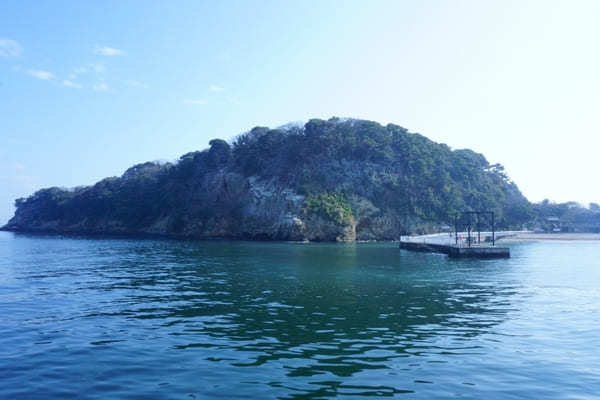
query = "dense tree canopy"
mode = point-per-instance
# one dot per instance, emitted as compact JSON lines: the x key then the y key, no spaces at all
{"x":386,"y":164}
{"x":568,"y":217}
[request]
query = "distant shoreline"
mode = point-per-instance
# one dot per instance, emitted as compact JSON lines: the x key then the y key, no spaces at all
{"x":447,"y":237}
{"x":503,"y":237}
{"x":559,"y":236}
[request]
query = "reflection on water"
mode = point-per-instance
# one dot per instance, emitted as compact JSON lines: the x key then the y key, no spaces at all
{"x":125,"y":318}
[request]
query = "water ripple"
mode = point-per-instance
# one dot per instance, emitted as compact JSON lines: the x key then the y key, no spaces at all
{"x":136,"y":319}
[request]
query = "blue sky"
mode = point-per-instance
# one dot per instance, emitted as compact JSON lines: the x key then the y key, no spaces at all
{"x":88,"y":89}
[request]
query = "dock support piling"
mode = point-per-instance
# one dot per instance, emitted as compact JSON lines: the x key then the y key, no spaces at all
{"x":493,"y":231}
{"x":456,"y":228}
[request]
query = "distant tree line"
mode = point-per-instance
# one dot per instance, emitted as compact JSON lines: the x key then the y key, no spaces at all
{"x":566,"y":217}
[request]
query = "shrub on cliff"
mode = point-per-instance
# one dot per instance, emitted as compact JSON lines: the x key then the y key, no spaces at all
{"x":331,"y":206}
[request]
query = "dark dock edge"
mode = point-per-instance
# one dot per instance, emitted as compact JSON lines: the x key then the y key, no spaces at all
{"x":456,"y":251}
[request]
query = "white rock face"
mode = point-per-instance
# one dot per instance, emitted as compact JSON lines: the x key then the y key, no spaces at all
{"x":272,"y":210}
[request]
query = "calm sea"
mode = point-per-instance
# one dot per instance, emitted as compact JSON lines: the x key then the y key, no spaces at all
{"x":142,"y":319}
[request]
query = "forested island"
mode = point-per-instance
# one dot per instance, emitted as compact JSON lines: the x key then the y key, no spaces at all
{"x":326,"y":180}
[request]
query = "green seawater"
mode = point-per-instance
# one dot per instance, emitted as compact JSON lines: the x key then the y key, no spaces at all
{"x":141,"y":319}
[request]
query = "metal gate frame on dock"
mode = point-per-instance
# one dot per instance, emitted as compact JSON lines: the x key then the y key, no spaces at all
{"x":470,"y":224}
{"x":457,"y":250}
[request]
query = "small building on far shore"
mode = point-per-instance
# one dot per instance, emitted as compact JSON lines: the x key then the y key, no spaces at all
{"x":553,"y":224}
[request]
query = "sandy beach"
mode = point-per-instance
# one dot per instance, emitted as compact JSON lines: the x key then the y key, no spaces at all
{"x":532,"y":236}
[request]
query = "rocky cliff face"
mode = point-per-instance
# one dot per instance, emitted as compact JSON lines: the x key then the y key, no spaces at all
{"x":336,"y":180}
{"x":226,"y":205}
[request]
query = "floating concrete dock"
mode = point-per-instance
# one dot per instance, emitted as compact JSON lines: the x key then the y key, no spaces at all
{"x":455,"y":245}
{"x":457,"y":251}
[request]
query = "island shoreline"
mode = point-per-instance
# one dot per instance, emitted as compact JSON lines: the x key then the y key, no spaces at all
{"x":509,"y":237}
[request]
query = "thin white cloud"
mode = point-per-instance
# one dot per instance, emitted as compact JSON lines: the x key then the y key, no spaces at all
{"x":40,"y":74}
{"x":98,"y":68}
{"x":234,"y":100}
{"x":71,"y":84}
{"x":77,"y":72}
{"x":215,"y":88}
{"x":136,"y":84}
{"x":100,"y":87}
{"x":10,"y":48}
{"x":108,"y":51}
{"x":194,"y":101}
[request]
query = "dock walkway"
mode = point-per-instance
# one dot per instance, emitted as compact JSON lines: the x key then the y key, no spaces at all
{"x":447,"y":244}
